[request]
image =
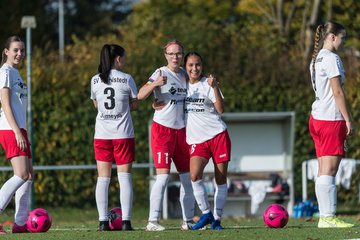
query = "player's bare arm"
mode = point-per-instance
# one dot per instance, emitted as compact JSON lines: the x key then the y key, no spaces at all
{"x":147,"y":89}
{"x":340,"y":100}
{"x":6,"y":104}
{"x":95,"y":103}
{"x":133,"y":104}
{"x":219,"y":104}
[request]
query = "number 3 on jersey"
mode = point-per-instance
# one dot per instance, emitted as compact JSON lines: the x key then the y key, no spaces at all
{"x":110,"y":92}
{"x":166,"y":157}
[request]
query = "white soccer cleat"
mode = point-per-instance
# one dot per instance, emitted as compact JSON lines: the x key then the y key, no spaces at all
{"x":154,"y":226}
{"x":187,"y":225}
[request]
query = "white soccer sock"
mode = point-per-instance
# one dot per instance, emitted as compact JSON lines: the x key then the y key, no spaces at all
{"x":101,"y":197}
{"x":22,"y":197}
{"x":325,"y":190}
{"x":201,"y":196}
{"x":126,"y":194}
{"x":187,"y":199}
{"x":220,"y":197}
{"x":8,"y":189}
{"x":156,"y":197}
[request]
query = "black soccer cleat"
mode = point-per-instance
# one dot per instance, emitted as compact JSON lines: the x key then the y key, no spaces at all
{"x":104,"y":226}
{"x":126,"y":225}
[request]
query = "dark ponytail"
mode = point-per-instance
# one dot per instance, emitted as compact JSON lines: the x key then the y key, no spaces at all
{"x":108,"y":54}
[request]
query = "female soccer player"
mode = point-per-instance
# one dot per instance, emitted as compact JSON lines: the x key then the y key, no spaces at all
{"x":114,"y":95}
{"x":168,"y":142}
{"x":13,"y":136}
{"x":207,"y":137}
{"x":330,"y":119}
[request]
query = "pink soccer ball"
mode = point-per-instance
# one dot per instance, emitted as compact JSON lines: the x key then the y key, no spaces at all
{"x":115,"y":219}
{"x":276,"y":216}
{"x":39,"y":220}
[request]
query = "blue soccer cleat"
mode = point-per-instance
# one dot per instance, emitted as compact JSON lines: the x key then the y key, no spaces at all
{"x":205,"y":219}
{"x":216,"y":225}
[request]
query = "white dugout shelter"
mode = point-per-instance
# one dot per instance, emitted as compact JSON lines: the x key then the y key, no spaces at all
{"x":262,"y":146}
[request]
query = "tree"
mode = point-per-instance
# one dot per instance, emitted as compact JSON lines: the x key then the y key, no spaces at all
{"x":307,"y":28}
{"x":95,"y":17}
{"x":92,"y":17}
{"x":279,"y":14}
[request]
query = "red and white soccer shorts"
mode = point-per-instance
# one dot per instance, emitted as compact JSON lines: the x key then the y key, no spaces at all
{"x":8,"y":142}
{"x":219,"y":148}
{"x":168,"y":145}
{"x":122,"y":151}
{"x":329,"y":137}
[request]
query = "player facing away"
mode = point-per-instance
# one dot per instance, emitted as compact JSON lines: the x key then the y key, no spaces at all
{"x":330,"y":119}
{"x":207,"y":136}
{"x":114,"y":95}
{"x":13,"y":135}
{"x":168,"y":141}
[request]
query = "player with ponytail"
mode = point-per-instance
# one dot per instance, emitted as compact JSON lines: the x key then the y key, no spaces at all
{"x":330,"y":120}
{"x":114,"y":94}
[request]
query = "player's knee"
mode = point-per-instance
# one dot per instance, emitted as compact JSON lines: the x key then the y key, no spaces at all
{"x":220,"y":180}
{"x":195,"y":177}
{"x":31,"y":176}
{"x":24,"y":175}
{"x":329,"y":171}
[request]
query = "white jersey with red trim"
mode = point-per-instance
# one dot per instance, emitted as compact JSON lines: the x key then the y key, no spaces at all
{"x":172,"y":94}
{"x":10,"y":78}
{"x":203,"y":122}
{"x":327,"y":65}
{"x":113,"y":120}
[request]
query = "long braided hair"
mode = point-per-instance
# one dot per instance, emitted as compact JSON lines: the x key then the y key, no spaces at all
{"x":322,"y":31}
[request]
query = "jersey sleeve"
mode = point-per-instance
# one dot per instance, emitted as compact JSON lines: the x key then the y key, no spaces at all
{"x":92,"y":93}
{"x":153,"y":76}
{"x":132,"y":87}
{"x":5,"y":79}
{"x":333,"y":66}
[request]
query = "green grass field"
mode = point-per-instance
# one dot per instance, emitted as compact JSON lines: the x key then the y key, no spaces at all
{"x":76,"y":224}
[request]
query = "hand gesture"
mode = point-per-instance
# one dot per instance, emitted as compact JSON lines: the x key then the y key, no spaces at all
{"x":349,"y":129}
{"x":161,"y":80}
{"x":158,"y":105}
{"x":212,"y":81}
{"x":20,"y":140}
